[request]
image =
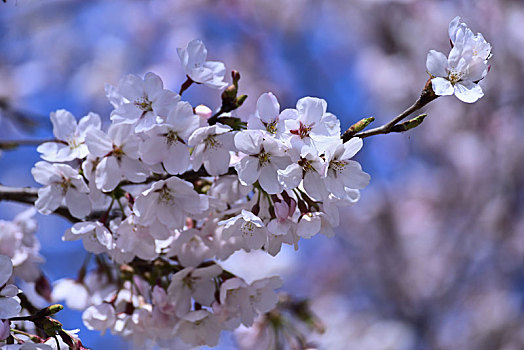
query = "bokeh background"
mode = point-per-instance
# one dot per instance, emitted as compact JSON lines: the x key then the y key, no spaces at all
{"x":432,"y":255}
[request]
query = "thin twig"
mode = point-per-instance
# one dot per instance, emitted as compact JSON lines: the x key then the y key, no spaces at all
{"x":426,"y":97}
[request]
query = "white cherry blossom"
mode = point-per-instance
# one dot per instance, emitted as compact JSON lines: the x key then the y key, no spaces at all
{"x":193,"y":58}
{"x":146,"y":102}
{"x":267,"y":116}
{"x":211,"y":148}
{"x":70,"y":136}
{"x":309,"y":127}
{"x":249,"y":227}
{"x":265,"y":156}
{"x":196,"y":283}
{"x":61,"y":182}
{"x":167,"y":142}
{"x":169,"y":201}
{"x":118,"y":153}
{"x":343,"y":172}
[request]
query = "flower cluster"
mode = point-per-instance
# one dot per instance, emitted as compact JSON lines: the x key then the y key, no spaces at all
{"x":465,"y":66}
{"x":166,"y":185}
{"x":168,"y":190}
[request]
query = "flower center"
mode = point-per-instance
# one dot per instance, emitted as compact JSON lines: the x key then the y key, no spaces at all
{"x":264,"y":158}
{"x":247,"y":228}
{"x":455,"y":76}
{"x":337,"y":166}
{"x":212,"y":142}
{"x":271,"y":127}
{"x":165,"y":196}
{"x":144,"y":104}
{"x":172,"y":137}
{"x":303,"y":130}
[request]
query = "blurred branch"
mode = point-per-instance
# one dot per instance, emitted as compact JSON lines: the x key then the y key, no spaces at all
{"x":28,"y":195}
{"x":25,"y":120}
{"x":11,"y":144}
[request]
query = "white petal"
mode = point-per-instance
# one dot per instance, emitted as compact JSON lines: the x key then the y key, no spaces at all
{"x":268,"y":180}
{"x":64,"y":124}
{"x":78,"y":203}
{"x":468,"y":92}
{"x":249,"y":141}
{"x":177,"y":160}
{"x":49,"y":199}
{"x":108,"y":174}
{"x":436,"y":64}
{"x":248,"y":170}
{"x":268,"y":107}
{"x":442,"y":87}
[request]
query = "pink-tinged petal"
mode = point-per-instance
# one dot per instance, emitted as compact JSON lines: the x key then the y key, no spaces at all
{"x":468,"y":92}
{"x":248,"y":170}
{"x":436,"y":64}
{"x":167,"y":216}
{"x":442,"y":87}
{"x":196,"y":205}
{"x":98,"y":143}
{"x":177,"y":160}
{"x":108,"y":174}
{"x":268,"y":180}
{"x":49,"y":199}
{"x":268,"y":107}
{"x":78,"y":203}
{"x":64,"y":124}
{"x":92,"y":120}
{"x":249,"y":141}
{"x":217,"y":161}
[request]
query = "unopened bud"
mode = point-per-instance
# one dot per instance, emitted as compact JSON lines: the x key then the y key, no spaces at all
{"x":240,"y":100}
{"x":235,"y":75}
{"x":410,"y":124}
{"x":203,"y":111}
{"x":357,"y":127}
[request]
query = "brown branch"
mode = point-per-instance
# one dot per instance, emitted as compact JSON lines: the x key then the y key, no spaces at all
{"x":426,"y":97}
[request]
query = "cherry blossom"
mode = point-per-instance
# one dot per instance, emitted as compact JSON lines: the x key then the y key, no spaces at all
{"x":61,"y":182}
{"x":167,"y":142}
{"x":145,"y":101}
{"x":193,"y":59}
{"x":211,"y":148}
{"x":9,"y":305}
{"x":70,"y":136}
{"x":118,"y":153}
